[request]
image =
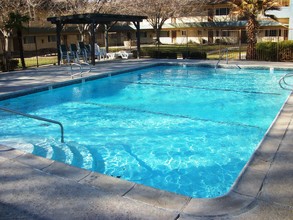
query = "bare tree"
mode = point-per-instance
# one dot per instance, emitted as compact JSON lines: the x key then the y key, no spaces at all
{"x":6,"y":7}
{"x":29,"y":9}
{"x":16,"y":23}
{"x":159,"y":11}
{"x":69,"y":7}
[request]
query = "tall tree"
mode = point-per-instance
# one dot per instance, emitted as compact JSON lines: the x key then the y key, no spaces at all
{"x":5,"y":34}
{"x":252,"y":10}
{"x":6,"y":7}
{"x":16,"y":22}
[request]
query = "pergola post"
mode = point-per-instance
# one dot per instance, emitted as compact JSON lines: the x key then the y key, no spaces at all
{"x":137,"y":25}
{"x":58,"y":40}
{"x":108,"y":26}
{"x":106,"y":35}
{"x":93,"y":40}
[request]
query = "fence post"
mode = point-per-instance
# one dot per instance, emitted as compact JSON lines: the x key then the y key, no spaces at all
{"x":239,"y":43}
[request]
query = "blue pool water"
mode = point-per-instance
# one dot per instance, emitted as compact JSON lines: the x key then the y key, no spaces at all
{"x":188,"y":130}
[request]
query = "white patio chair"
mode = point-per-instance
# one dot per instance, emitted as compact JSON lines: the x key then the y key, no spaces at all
{"x":99,"y":52}
{"x":124,"y":54}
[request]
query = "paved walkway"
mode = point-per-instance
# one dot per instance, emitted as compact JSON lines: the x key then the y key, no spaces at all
{"x":32,"y":187}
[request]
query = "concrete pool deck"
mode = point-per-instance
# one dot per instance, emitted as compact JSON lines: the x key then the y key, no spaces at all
{"x":32,"y":187}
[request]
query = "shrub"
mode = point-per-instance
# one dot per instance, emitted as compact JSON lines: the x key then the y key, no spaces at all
{"x":266,"y":51}
{"x":272,"y":51}
{"x":163,"y":55}
{"x":194,"y":55}
{"x":286,"y":50}
{"x":173,"y":51}
{"x":11,"y":64}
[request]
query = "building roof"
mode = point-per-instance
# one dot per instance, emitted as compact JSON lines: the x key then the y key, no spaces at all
{"x":228,"y":24}
{"x":212,"y":24}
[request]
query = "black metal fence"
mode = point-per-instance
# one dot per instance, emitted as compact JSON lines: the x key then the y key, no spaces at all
{"x":273,"y":51}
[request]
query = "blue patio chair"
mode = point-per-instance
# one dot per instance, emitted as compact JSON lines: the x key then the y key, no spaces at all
{"x":84,"y":51}
{"x":74,"y":52}
{"x":65,"y":54}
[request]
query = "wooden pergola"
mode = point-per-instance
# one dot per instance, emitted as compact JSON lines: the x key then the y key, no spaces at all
{"x":94,"y":19}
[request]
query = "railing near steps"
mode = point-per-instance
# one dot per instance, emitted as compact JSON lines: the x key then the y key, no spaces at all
{"x":222,"y":53}
{"x":284,"y":84}
{"x":36,"y":118}
{"x":80,"y":66}
{"x":225,"y":51}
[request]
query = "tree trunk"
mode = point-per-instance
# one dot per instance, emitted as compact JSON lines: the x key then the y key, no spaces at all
{"x":157,"y":41}
{"x":6,"y":52}
{"x":251,"y":28}
{"x":21,"y":53}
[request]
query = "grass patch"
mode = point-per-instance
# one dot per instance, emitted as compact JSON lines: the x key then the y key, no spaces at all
{"x":40,"y":61}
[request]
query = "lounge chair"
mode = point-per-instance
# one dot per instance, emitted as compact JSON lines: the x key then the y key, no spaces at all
{"x":84,"y":51}
{"x":74,"y":52}
{"x":72,"y":58}
{"x":99,"y":52}
{"x":65,"y":54}
{"x":123,"y":54}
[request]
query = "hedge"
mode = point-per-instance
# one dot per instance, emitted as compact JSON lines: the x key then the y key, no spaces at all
{"x":11,"y":64}
{"x":194,"y":55}
{"x":273,"y":51}
{"x":172,"y":52}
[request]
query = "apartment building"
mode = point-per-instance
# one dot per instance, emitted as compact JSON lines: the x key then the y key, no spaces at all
{"x":216,"y":25}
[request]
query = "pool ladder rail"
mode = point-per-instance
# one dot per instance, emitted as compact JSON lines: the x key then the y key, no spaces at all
{"x":225,"y":52}
{"x":284,"y":84}
{"x":36,"y":118}
{"x":81,"y":66}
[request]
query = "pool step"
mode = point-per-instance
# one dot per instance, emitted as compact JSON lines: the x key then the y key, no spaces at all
{"x":54,"y":150}
{"x":71,"y":153}
{"x":82,"y":157}
{"x":43,"y":149}
{"x":62,"y":153}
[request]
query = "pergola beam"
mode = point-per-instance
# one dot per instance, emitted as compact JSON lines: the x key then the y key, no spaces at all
{"x":99,"y":18}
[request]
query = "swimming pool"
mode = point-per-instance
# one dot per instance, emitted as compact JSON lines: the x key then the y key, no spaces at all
{"x":188,"y":130}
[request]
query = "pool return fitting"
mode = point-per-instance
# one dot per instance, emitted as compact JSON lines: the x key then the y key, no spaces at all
{"x":36,"y":118}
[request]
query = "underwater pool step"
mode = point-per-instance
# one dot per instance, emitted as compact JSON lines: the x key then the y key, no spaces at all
{"x":82,"y":157}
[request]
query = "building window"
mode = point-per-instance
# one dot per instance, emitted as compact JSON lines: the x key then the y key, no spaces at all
{"x":52,"y":38}
{"x":284,"y":2}
{"x":273,"y":33}
{"x":143,"y":34}
{"x":199,"y":33}
{"x":165,"y":34}
{"x":183,"y":33}
{"x":225,"y":33}
{"x":29,"y":40}
{"x":222,"y":11}
{"x":217,"y":34}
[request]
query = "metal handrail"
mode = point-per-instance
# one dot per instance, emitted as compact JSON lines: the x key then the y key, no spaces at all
{"x":286,"y":83}
{"x":37,"y":118}
{"x":221,"y":56}
{"x":80,"y":68}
